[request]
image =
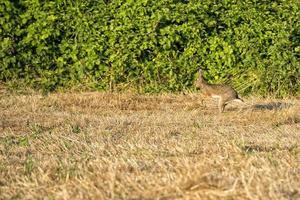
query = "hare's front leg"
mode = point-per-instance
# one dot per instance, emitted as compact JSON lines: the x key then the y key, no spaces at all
{"x":222,"y":105}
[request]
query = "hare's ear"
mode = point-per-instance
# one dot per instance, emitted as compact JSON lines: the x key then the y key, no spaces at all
{"x":200,"y":72}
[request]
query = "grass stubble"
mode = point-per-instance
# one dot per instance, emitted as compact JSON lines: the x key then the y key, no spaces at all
{"x":130,"y":146}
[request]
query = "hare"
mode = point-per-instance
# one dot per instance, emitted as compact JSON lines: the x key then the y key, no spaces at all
{"x":224,"y":93}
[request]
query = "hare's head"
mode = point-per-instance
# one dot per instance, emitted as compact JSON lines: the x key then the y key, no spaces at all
{"x":199,"y":81}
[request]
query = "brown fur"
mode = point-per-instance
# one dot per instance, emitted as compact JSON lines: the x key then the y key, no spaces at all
{"x":224,"y":93}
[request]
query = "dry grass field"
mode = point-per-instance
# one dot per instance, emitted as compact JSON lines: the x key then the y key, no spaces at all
{"x":130,"y":146}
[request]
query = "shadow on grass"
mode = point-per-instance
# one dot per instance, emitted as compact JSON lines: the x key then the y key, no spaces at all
{"x":271,"y":106}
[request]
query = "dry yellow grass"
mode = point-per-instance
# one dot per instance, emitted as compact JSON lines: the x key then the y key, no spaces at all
{"x":128,"y":146}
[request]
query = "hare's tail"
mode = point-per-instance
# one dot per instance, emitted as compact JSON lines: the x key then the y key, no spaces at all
{"x":239,"y":100}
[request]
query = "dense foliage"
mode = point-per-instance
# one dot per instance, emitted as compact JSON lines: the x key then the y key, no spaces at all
{"x":151,"y":45}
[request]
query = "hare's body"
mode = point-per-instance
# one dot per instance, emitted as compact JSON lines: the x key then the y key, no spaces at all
{"x":224,"y":93}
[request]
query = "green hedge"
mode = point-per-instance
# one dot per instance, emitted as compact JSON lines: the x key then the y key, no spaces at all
{"x":151,"y":45}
